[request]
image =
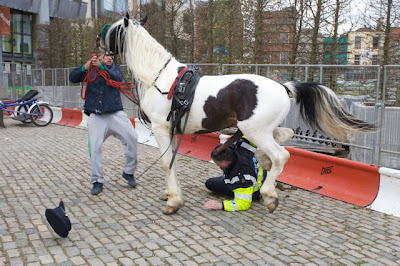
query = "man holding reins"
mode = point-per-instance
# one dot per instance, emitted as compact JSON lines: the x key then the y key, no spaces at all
{"x":104,"y":107}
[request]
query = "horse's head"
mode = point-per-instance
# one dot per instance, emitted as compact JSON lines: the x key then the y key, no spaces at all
{"x":115,"y":37}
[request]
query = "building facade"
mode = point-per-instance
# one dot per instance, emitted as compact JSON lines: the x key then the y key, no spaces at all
{"x":19,"y":23}
{"x":365,"y":47}
{"x":340,"y":51}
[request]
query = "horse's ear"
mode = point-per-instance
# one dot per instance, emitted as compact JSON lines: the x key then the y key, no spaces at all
{"x":126,"y":21}
{"x":143,"y":21}
{"x":127,"y":15}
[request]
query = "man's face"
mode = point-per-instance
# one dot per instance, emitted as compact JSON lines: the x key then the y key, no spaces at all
{"x":222,"y":164}
{"x":107,"y":58}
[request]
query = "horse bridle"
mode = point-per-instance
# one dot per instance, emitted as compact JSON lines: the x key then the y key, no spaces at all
{"x":159,"y":73}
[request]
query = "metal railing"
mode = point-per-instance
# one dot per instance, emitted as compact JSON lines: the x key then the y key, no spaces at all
{"x":358,"y":86}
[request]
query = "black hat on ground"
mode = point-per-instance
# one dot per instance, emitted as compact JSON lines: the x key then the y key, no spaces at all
{"x":58,"y":220}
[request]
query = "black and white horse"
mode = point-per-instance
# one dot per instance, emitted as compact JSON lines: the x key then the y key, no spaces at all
{"x":254,"y":104}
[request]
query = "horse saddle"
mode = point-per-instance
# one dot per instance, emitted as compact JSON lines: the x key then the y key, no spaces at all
{"x":182,"y":96}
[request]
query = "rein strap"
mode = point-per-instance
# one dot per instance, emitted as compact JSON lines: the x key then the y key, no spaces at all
{"x":159,"y":73}
{"x":124,"y":87}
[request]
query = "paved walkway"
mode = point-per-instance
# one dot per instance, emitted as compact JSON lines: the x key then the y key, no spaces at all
{"x":125,"y":226}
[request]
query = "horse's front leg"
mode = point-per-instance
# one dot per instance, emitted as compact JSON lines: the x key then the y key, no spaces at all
{"x":173,"y":191}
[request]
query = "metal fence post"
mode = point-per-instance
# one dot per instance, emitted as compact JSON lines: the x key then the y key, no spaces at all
{"x":13,"y":91}
{"x":306,"y":77}
{"x":382,"y":116}
{"x":320,"y":74}
{"x":65,"y":77}
{"x":43,"y":80}
{"x":377,"y":109}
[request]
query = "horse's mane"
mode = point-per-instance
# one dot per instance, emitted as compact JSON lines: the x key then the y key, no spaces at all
{"x":144,"y":56}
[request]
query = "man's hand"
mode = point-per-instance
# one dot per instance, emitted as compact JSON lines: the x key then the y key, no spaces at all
{"x":87,"y":65}
{"x":213,"y":205}
{"x":94,"y":61}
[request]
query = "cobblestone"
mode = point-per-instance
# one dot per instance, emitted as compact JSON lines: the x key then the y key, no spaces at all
{"x":125,"y":226}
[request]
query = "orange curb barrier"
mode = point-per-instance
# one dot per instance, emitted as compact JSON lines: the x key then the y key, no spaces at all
{"x":70,"y":117}
{"x":198,"y":146}
{"x":338,"y":178}
{"x":10,"y":108}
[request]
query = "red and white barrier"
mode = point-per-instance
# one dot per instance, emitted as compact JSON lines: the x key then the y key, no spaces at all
{"x":349,"y":181}
{"x":57,"y":114}
{"x":72,"y":117}
{"x":388,"y":198}
{"x":338,"y":178}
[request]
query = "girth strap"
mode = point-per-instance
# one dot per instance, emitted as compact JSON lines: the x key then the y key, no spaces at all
{"x":182,"y":98}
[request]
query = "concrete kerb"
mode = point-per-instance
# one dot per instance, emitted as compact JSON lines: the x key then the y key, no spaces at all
{"x":386,"y":201}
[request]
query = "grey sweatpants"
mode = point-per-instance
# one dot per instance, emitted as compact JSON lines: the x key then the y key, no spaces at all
{"x":101,"y":126}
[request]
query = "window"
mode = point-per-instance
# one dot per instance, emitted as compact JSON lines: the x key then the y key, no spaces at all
{"x":115,"y":5}
{"x":187,"y":22}
{"x":375,"y":43}
{"x":375,"y":59}
{"x":357,"y":42}
{"x":284,"y":58}
{"x":357,"y":59}
{"x":285,"y":38}
{"x":19,"y":42}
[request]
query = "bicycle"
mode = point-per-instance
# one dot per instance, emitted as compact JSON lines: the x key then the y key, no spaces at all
{"x":27,"y":109}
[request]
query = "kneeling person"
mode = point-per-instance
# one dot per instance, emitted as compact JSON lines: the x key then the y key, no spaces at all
{"x":242,"y":177}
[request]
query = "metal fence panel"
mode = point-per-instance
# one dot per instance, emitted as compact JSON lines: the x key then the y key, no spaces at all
{"x":357,"y":85}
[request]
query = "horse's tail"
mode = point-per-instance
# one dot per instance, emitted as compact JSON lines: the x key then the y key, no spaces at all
{"x":321,"y":108}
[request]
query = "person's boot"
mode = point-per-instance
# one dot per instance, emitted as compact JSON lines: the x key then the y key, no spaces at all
{"x":130,"y":178}
{"x":97,"y":188}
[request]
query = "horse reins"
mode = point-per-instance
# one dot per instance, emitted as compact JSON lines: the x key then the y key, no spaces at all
{"x":159,"y":73}
{"x":124,"y":87}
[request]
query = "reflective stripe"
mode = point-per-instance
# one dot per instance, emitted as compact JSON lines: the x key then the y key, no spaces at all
{"x":243,"y":196}
{"x":251,"y":178}
{"x":234,"y":206}
{"x":236,"y":179}
{"x":231,"y":181}
{"x":248,"y":147}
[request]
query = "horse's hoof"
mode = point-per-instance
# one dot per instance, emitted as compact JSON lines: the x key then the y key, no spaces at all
{"x":169,"y":210}
{"x":164,"y":197}
{"x":272,"y":206}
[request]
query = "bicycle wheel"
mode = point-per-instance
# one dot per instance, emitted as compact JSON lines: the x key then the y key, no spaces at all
{"x":23,"y":108}
{"x":41,"y":115}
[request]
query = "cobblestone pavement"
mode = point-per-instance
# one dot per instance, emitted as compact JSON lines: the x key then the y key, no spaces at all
{"x":125,"y":226}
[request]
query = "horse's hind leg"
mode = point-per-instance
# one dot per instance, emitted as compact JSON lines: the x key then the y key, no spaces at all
{"x":173,"y":191}
{"x":278,"y":156}
{"x":281,"y":135}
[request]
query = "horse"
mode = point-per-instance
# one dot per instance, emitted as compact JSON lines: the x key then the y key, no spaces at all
{"x":253,"y":104}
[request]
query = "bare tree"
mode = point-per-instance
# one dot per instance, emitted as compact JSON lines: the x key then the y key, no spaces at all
{"x":173,"y":17}
{"x":315,"y":6}
{"x":384,"y":17}
{"x":69,"y":42}
{"x":259,"y":36}
{"x":297,"y":28}
{"x":233,"y":30}
{"x":54,"y":39}
{"x":210,"y":29}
